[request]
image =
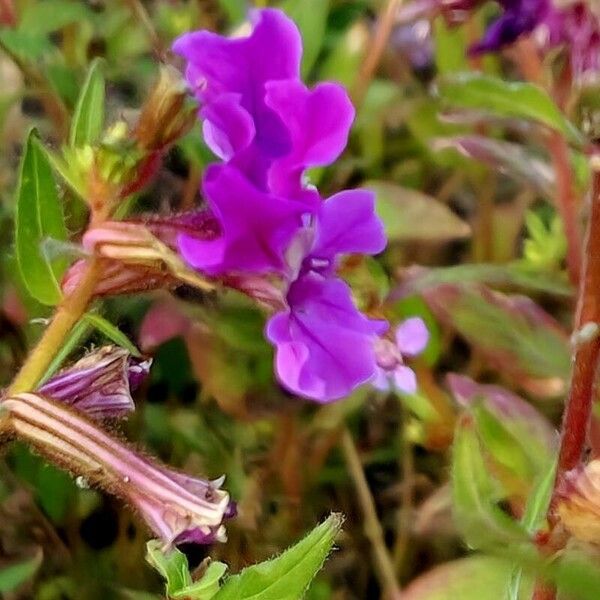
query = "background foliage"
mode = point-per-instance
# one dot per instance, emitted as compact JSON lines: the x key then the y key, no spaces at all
{"x":459,"y":473}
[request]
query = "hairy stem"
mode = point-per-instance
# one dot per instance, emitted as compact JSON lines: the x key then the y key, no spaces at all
{"x":382,"y":561}
{"x":68,"y":313}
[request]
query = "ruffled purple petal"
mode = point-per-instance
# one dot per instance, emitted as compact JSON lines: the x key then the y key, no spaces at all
{"x":412,"y":336}
{"x":347,"y":223}
{"x":257,"y":227}
{"x":228,"y":128}
{"x":324,"y":345}
{"x":239,"y":69}
{"x":318,"y":121}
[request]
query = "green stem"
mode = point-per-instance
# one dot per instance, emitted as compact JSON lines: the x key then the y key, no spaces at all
{"x":383,"y":563}
{"x":68,"y":313}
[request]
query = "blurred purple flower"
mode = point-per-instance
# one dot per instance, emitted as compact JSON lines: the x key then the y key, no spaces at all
{"x":519,"y":17}
{"x":176,"y":507}
{"x":410,"y":339}
{"x":100,"y":384}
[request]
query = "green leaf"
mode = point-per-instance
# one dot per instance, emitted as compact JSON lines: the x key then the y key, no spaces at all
{"x":450,"y":47}
{"x":311,"y":18}
{"x":38,"y":216}
{"x":112,"y":332}
{"x":476,"y":577}
{"x":515,"y":334}
{"x":505,"y":98}
{"x":80,"y":331}
{"x":13,"y":576}
{"x":88,"y":118}
{"x":475,"y":497}
{"x":25,"y":44}
{"x":512,"y":275}
{"x":41,"y":18}
{"x":533,"y":518}
{"x":207,"y":587}
{"x":408,"y":214}
{"x":172,"y":565}
{"x":287,"y":576}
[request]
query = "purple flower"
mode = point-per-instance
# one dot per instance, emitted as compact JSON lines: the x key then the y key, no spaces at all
{"x":256,"y":226}
{"x":324,"y":344}
{"x":100,"y":384}
{"x":318,"y":122}
{"x":176,"y":507}
{"x":411,"y":337}
{"x":269,"y":128}
{"x":520,"y":17}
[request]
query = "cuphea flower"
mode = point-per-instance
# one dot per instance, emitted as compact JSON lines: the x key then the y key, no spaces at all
{"x":176,"y":507}
{"x":410,"y":339}
{"x":268,"y":127}
{"x":99,"y":384}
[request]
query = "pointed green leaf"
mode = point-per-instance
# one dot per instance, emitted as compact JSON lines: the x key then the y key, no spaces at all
{"x":476,"y":512}
{"x":287,"y":576}
{"x":172,"y":565}
{"x":112,"y":332}
{"x":505,"y":98}
{"x":533,"y":518}
{"x":88,"y":118}
{"x":13,"y":576}
{"x":206,"y":587}
{"x":38,"y":217}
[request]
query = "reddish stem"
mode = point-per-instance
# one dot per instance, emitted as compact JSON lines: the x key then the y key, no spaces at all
{"x":578,"y":409}
{"x":579,"y":404}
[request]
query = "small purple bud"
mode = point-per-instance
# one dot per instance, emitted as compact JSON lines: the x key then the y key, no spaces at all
{"x":100,"y":384}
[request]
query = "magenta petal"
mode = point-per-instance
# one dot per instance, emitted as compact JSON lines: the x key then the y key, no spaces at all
{"x":347,"y":223}
{"x":218,"y":66}
{"x":405,"y":379}
{"x":228,"y":128}
{"x":257,"y":227}
{"x":318,"y":121}
{"x":324,"y":344}
{"x":412,"y":336}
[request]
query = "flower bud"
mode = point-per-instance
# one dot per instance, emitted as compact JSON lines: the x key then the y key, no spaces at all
{"x":579,"y":505}
{"x":168,"y":114}
{"x":100,"y":384}
{"x":175,"y":507}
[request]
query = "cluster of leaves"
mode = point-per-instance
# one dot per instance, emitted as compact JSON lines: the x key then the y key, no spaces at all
{"x":464,"y":185}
